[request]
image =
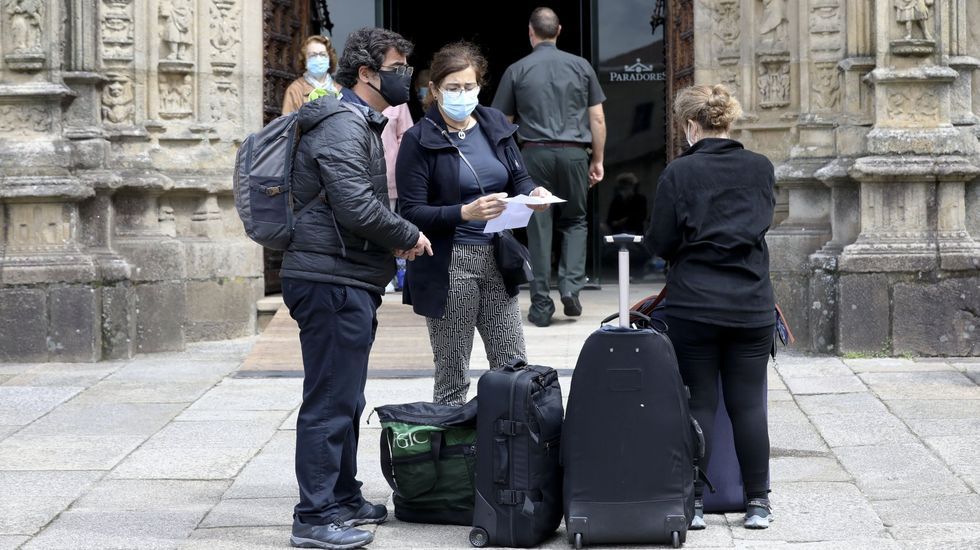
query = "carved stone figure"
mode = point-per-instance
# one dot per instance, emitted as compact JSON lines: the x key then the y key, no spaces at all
{"x":827,"y":89}
{"x":176,"y":28}
{"x":726,"y":27}
{"x":773,"y":28}
{"x":914,"y":11}
{"x":117,"y":102}
{"x":774,"y":84}
{"x":25,"y":24}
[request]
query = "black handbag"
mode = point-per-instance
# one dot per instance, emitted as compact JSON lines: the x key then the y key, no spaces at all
{"x":513,"y":259}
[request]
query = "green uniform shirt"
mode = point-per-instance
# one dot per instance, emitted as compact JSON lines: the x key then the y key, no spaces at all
{"x":549,"y":93}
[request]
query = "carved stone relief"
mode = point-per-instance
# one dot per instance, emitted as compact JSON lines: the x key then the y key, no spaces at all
{"x":176,"y":96}
{"x":24,"y":118}
{"x":774,"y":28}
{"x":729,"y":76}
{"x":913,"y":105}
{"x":26,"y":25}
{"x":224,"y":102}
{"x":826,"y":86}
{"x":825,"y":27}
{"x":117,"y":30}
{"x":38,"y":228}
{"x":725,"y":19}
{"x":225,"y":29}
{"x":774,"y":81}
{"x":910,"y":14}
{"x":117,"y":101}
{"x":176,"y":19}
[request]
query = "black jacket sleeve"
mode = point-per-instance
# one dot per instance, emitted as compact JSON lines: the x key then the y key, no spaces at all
{"x":412,"y":177}
{"x":344,"y":166}
{"x":664,"y":235}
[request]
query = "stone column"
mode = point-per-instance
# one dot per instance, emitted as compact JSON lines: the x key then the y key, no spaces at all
{"x":911,"y":192}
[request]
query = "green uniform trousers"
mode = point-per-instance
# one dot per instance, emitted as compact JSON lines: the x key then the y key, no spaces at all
{"x":565,"y":172}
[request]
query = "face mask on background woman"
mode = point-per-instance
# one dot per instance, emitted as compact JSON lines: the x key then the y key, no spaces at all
{"x":317,"y":66}
{"x":458,"y":105}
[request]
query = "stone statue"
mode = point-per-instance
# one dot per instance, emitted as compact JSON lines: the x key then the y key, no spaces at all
{"x":176,"y":29}
{"x":25,"y":24}
{"x":774,"y":23}
{"x":912,"y":11}
{"x":117,"y":102}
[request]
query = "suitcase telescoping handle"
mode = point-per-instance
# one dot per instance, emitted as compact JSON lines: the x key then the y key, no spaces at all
{"x":623,"y":240}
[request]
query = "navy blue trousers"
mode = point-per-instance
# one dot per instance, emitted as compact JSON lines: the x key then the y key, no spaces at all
{"x":337,"y":324}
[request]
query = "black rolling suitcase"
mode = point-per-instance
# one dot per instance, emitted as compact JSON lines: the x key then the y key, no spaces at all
{"x":628,"y":443}
{"x":518,"y":476}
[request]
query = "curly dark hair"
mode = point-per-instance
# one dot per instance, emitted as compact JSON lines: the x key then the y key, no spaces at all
{"x":453,"y":58}
{"x":367,"y":48}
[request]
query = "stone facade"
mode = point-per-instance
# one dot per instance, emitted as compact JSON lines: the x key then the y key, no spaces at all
{"x":869,"y":109}
{"x":119,"y":123}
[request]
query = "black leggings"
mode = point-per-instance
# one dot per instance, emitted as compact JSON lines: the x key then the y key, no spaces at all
{"x":741,"y":356}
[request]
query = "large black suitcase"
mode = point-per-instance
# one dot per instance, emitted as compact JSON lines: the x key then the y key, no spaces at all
{"x":628,"y":442}
{"x":518,"y":476}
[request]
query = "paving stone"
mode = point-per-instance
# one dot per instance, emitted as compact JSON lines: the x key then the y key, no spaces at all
{"x":922,"y":385}
{"x":794,"y":439}
{"x":140,"y":495}
{"x":116,"y":530}
{"x":200,"y":450}
{"x":845,"y":403}
{"x":959,"y":451}
{"x":143,"y":419}
{"x":394,"y":534}
{"x":238,"y":538}
{"x":115,"y":391}
{"x":935,"y":409}
{"x":895,"y":364}
{"x":825,"y":384}
{"x":256,"y":395}
{"x":951,"y":509}
{"x":814,"y":369}
{"x":815,"y":512}
{"x":7,"y":430}
{"x":926,"y":427}
{"x":779,"y":395}
{"x":846,"y":430}
{"x":64,"y":374}
{"x":865,"y":543}
{"x":786,"y":411}
{"x":290,"y":422}
{"x":21,"y":405}
{"x":271,"y":473}
{"x":9,"y":542}
{"x":888,"y":472}
{"x":31,"y":499}
{"x":251,"y":512}
{"x":806,"y":469}
{"x":64,"y":452}
{"x":185,"y":368}
{"x":932,"y":535}
{"x":5,"y":377}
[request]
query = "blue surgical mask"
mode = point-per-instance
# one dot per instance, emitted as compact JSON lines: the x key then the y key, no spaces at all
{"x":459,"y":105}
{"x":423,"y":93}
{"x":318,"y":66}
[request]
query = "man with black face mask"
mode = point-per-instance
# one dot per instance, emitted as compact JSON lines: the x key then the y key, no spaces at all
{"x":334,"y":274}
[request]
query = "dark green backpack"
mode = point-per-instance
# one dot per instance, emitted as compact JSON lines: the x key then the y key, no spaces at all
{"x":428,"y":456}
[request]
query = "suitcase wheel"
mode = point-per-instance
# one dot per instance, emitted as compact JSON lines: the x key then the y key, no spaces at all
{"x":479,"y":537}
{"x":675,"y":538}
{"x":578,"y":541}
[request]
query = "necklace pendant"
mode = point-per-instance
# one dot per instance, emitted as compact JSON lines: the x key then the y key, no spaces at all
{"x":461,"y":134}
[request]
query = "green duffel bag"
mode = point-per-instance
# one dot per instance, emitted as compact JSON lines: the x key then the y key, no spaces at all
{"x":428,"y":456}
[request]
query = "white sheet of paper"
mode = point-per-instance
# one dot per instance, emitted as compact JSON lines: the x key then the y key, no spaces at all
{"x":514,"y":216}
{"x":525,"y":199}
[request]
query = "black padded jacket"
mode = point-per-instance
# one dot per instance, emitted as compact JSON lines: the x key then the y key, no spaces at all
{"x":348,"y":236}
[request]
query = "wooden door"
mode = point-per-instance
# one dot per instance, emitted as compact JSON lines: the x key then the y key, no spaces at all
{"x":286,"y":23}
{"x":680,"y":65}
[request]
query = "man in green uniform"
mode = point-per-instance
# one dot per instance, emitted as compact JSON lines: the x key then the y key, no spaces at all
{"x":556,"y":98}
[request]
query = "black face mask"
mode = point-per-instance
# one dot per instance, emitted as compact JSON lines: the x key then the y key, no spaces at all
{"x":394,"y":87}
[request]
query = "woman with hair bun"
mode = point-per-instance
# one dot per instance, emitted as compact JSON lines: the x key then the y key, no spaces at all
{"x":713,"y":207}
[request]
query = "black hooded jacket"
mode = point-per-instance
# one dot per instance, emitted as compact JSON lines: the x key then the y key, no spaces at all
{"x":348,"y":236}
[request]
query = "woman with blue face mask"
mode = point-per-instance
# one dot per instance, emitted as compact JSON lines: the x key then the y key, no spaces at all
{"x":454,"y":167}
{"x":320,"y":61}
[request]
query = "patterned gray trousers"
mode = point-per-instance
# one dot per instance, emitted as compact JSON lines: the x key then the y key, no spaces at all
{"x":477,"y":299}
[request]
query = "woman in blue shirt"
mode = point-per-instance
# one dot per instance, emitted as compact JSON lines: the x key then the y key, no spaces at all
{"x":454,"y":167}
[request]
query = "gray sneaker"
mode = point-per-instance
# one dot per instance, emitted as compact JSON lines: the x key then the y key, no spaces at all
{"x":698,"y":522}
{"x":335,"y":536}
{"x":758,"y":514}
{"x":367,"y":513}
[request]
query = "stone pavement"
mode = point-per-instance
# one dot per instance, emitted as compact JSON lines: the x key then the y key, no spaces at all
{"x":185,"y":451}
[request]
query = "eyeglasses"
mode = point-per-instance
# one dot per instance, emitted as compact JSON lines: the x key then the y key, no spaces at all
{"x":459,"y":89}
{"x":400,"y":70}
{"x":318,"y":54}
